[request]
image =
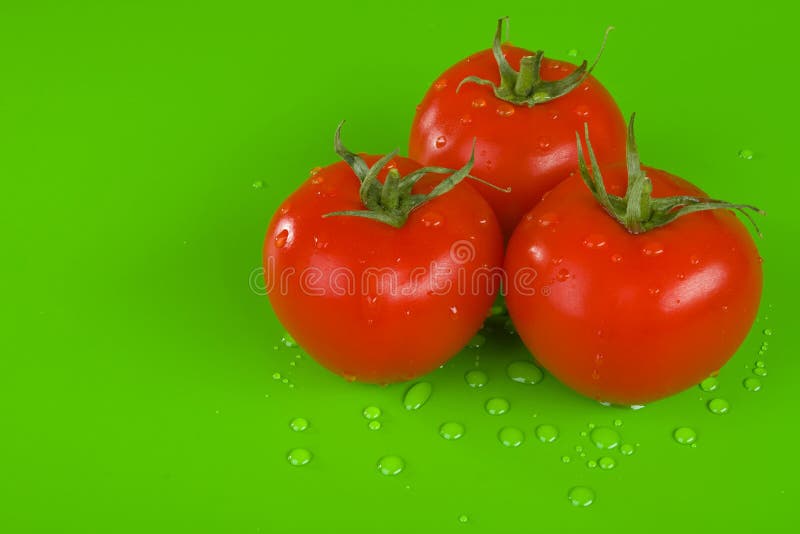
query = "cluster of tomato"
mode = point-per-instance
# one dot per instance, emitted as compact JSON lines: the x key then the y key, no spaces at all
{"x":627,"y":286}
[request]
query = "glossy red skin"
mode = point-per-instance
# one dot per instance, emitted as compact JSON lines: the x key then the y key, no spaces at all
{"x":531,"y":150}
{"x":660,"y":321}
{"x":397,"y":336}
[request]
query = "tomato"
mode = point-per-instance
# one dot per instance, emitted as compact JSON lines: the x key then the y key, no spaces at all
{"x":630,"y":317}
{"x":382,"y":300}
{"x":526,"y":143}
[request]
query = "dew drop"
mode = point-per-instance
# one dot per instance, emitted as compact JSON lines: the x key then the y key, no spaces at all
{"x":465,"y":119}
{"x":477,"y":341}
{"x":463,"y":518}
{"x":440,"y":84}
{"x":684,"y":435}
{"x":573,"y":52}
{"x":476,"y":378}
{"x":417,"y":395}
{"x":709,"y":384}
{"x":694,"y":260}
{"x":617,"y":422}
{"x":432,"y":219}
{"x":581,"y":496}
{"x":604,"y":437}
{"x":374,"y":425}
{"x":511,"y":436}
{"x":451,"y":430}
{"x":371,"y":412}
{"x":281,"y":238}
{"x":606,"y":462}
{"x":548,"y":220}
{"x":298,"y":457}
{"x":626,"y":449}
{"x":719,"y":406}
{"x":767,"y":332}
{"x":479,"y":103}
{"x":565,"y":459}
{"x":545,"y":143}
{"x":760,"y":371}
{"x":582,"y":111}
{"x":546,"y":433}
{"x":591,"y":464}
{"x":391,"y":465}
{"x":752,"y":384}
{"x":497,"y":406}
{"x":524,"y":372}
{"x":653,"y":248}
{"x":746,"y":153}
{"x":562,"y":275}
{"x":440,"y":142}
{"x":594,"y":241}
{"x":276,"y":376}
{"x":258,"y":184}
{"x":616,"y":258}
{"x":299,"y":424}
{"x":505,"y":110}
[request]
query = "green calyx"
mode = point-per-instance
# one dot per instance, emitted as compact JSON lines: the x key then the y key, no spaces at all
{"x":392,"y":201}
{"x":638,"y":211}
{"x":526,"y":86}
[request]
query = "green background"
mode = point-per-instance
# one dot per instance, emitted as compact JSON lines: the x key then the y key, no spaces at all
{"x":137,"y":362}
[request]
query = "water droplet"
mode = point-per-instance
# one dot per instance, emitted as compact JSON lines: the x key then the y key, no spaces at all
{"x":548,"y":220}
{"x":276,"y":376}
{"x":451,"y":430}
{"x":476,"y":378}
{"x":606,"y":462}
{"x":719,"y":406}
{"x":767,"y":332}
{"x":374,"y":425}
{"x":465,"y":119}
{"x":636,"y":407}
{"x":479,"y":103}
{"x":581,"y":496}
{"x":432,"y":219}
{"x":298,"y":457}
{"x":760,"y":371}
{"x":591,"y":464}
{"x":760,"y":363}
{"x":684,"y":435}
{"x":709,"y":384}
{"x":417,"y":395}
{"x":604,"y":437}
{"x":440,"y":142}
{"x":497,"y":406}
{"x":511,"y":436}
{"x":524,"y":372}
{"x":454,"y":312}
{"x":258,"y":184}
{"x":299,"y":424}
{"x":371,"y":412}
{"x":626,"y":449}
{"x":616,"y":258}
{"x":281,"y":238}
{"x":746,"y":153}
{"x":546,"y":433}
{"x":594,"y":241}
{"x":752,"y":384}
{"x":573,"y":52}
{"x":653,"y":248}
{"x":505,"y":110}
{"x":582,"y":110}
{"x":545,"y":142}
{"x":285,"y":380}
{"x":440,"y":84}
{"x":562,"y":275}
{"x":565,"y":459}
{"x":694,"y":260}
{"x":617,"y":422}
{"x":476,"y":342}
{"x":391,"y":465}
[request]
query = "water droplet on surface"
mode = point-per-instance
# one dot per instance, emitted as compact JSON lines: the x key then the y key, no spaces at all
{"x":477,"y":341}
{"x":709,"y":384}
{"x":299,"y":424}
{"x":465,"y":119}
{"x":760,"y":371}
{"x":684,"y":435}
{"x":391,"y":465}
{"x":548,"y":220}
{"x":440,"y":84}
{"x":694,"y":260}
{"x":417,"y":395}
{"x":546,"y":433}
{"x":281,"y":238}
{"x":432,"y":219}
{"x":276,"y":376}
{"x":582,"y":110}
{"x":581,"y":496}
{"x":752,"y":384}
{"x":298,"y":457}
{"x":479,"y":103}
{"x":604,"y":437}
{"x":746,"y":153}
{"x":616,"y":258}
{"x":497,"y":406}
{"x":565,"y":459}
{"x":606,"y":462}
{"x":591,"y":464}
{"x":562,"y":275}
{"x":524,"y":372}
{"x":440,"y":142}
{"x":371,"y":412}
{"x":719,"y":406}
{"x":545,"y":143}
{"x":476,"y":378}
{"x":617,"y":422}
{"x":505,"y":109}
{"x":767,"y":332}
{"x":451,"y":430}
{"x":573,"y":52}
{"x":594,"y":241}
{"x":374,"y":425}
{"x":258,"y":184}
{"x":653,"y":248}
{"x":511,"y":436}
{"x":626,"y":449}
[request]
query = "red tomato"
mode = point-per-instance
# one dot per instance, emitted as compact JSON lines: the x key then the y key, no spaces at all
{"x":630,"y":318}
{"x":527,"y":148}
{"x":373,"y":302}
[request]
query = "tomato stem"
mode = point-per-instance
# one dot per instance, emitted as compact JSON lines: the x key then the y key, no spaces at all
{"x":638,"y":211}
{"x":526,"y":87}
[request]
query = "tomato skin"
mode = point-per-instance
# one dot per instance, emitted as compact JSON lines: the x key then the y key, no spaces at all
{"x":628,"y":318}
{"x":530,"y":149}
{"x":370,"y":332}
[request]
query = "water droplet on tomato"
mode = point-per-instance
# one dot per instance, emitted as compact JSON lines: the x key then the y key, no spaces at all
{"x":276,"y":376}
{"x":476,"y":342}
{"x":440,"y":142}
{"x":371,"y":412}
{"x":524,"y":372}
{"x":465,"y":119}
{"x":454,"y":312}
{"x":511,"y":436}
{"x":594,"y":241}
{"x":298,"y":457}
{"x":616,"y":258}
{"x":391,"y":465}
{"x":314,"y":171}
{"x":374,"y":425}
{"x":281,"y":238}
{"x":479,"y":103}
{"x":562,"y":275}
{"x":694,"y":260}
{"x":548,"y":220}
{"x":546,"y":433}
{"x":432,"y":219}
{"x":684,"y":435}
{"x":497,"y":406}
{"x":566,"y":459}
{"x":545,"y":143}
{"x":476,"y":378}
{"x":505,"y":110}
{"x":288,"y":340}
{"x":746,"y":153}
{"x":417,"y":395}
{"x":582,"y":110}
{"x":709,"y":384}
{"x":604,"y":437}
{"x":653,"y":248}
{"x":617,"y":422}
{"x":581,"y":496}
{"x":440,"y":84}
{"x":451,"y":430}
{"x":719,"y":406}
{"x":554,"y":115}
{"x":752,"y":384}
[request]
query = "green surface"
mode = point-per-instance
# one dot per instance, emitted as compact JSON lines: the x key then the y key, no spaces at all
{"x":137,"y":368}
